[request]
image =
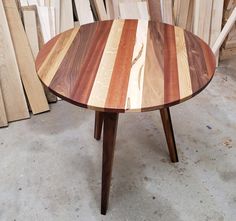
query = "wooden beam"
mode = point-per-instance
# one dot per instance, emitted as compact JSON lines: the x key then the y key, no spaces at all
{"x":31,"y":82}
{"x":11,"y":86}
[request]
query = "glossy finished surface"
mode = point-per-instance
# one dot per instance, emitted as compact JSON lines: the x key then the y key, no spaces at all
{"x":126,"y":65}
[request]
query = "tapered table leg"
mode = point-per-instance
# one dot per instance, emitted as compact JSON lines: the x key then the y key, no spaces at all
{"x":167,"y":125}
{"x":99,"y":117}
{"x":109,"y":139}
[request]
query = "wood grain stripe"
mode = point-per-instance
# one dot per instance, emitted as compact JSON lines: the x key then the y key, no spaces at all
{"x":171,"y":80}
{"x":91,"y":61}
{"x":43,"y":54}
{"x":67,"y":75}
{"x":51,"y":64}
{"x":120,"y":77}
{"x":101,"y":85}
{"x":135,"y":87}
{"x":153,"y":86}
{"x":185,"y":85}
{"x":208,"y":58}
{"x":197,"y":65}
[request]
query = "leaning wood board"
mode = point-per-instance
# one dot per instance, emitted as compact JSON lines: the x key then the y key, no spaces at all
{"x":133,"y":10}
{"x":182,"y":9}
{"x":31,"y":30}
{"x":202,"y":19}
{"x":11,"y":86}
{"x":100,"y":7}
{"x":84,"y":12}
{"x":32,"y":35}
{"x":155,"y":10}
{"x":126,"y":65}
{"x":32,"y":85}
{"x":66,"y":15}
{"x":167,"y":12}
{"x":3,"y":115}
{"x":216,"y":23}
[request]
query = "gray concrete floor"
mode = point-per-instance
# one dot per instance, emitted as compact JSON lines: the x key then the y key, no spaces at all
{"x":51,"y":165}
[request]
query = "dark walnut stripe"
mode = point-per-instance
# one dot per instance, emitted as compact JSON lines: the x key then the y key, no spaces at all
{"x":171,"y":80}
{"x":117,"y":92}
{"x":197,"y":65}
{"x":210,"y":63}
{"x":91,"y":62}
{"x":79,"y":67}
{"x":70,"y":65}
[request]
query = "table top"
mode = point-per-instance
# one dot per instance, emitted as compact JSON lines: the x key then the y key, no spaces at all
{"x":126,"y":65}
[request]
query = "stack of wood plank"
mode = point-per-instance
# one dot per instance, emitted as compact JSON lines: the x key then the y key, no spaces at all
{"x":229,"y":47}
{"x":25,"y":25}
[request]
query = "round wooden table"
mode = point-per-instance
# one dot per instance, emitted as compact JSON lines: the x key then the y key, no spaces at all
{"x":122,"y":66}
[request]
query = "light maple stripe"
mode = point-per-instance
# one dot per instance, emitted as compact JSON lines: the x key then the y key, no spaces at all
{"x":135,"y":87}
{"x":101,"y":84}
{"x":185,"y":85}
{"x":51,"y":64}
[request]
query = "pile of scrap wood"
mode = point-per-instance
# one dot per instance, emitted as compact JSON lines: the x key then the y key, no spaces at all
{"x":25,"y":25}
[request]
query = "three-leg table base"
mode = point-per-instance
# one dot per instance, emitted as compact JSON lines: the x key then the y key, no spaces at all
{"x":110,"y":121}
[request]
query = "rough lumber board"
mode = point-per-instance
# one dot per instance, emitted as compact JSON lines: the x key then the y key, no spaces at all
{"x":32,"y":85}
{"x":129,"y":10}
{"x":189,"y":25}
{"x":143,"y":10}
{"x":57,"y":5}
{"x":66,"y":18}
{"x":84,"y":12}
{"x":31,"y":23}
{"x":31,"y":30}
{"x":167,"y":11}
{"x":11,"y":86}
{"x":39,"y":30}
{"x":216,"y":23}
{"x":3,"y":115}
{"x":155,"y":10}
{"x":116,"y":8}
{"x":202,"y":19}
{"x":133,"y":10}
{"x":181,"y":9}
{"x":101,"y":11}
{"x":110,"y":9}
{"x":43,"y":12}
